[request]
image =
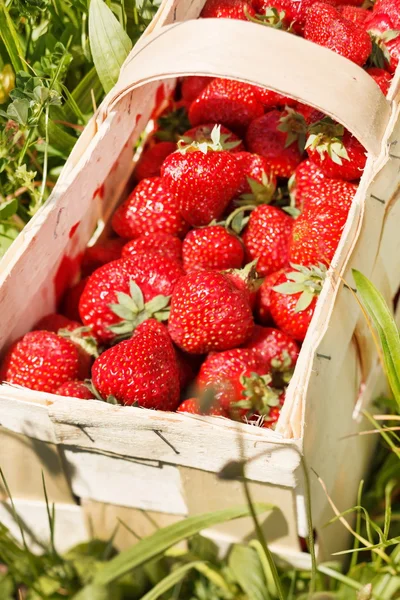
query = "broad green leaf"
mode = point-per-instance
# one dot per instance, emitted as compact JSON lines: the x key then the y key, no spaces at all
{"x":248,"y":572}
{"x":109,"y":43}
{"x":8,"y":209}
{"x":10,"y":38}
{"x":386,"y":327}
{"x":168,"y":582}
{"x":98,"y":592}
{"x":161,"y":540}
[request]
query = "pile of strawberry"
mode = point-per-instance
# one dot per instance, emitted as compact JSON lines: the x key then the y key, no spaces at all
{"x":201,"y":302}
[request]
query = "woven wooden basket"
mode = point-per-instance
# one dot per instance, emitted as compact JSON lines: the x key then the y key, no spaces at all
{"x":120,"y":460}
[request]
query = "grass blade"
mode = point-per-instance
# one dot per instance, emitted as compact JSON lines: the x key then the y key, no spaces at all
{"x":9,"y":36}
{"x":109,"y":43}
{"x":161,"y":540}
{"x":81,"y":96}
{"x":386,"y":327}
{"x":168,"y":582}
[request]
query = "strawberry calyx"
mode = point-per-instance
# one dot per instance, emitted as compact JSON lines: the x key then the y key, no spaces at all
{"x":133,"y":311}
{"x":172,"y":125}
{"x":326,"y":137}
{"x":217,"y":142}
{"x":294,"y":125}
{"x":262,"y":192}
{"x":247,"y":277}
{"x":88,"y":383}
{"x":80,"y":337}
{"x":380,"y":56}
{"x":306,"y":281}
{"x":259,"y":396}
{"x":238,"y":219}
{"x":282,"y":370}
{"x":271,"y":18}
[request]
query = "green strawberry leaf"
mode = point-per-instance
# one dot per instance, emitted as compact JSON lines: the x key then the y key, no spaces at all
{"x":158,"y":303}
{"x":121,"y":311}
{"x":127,"y":302}
{"x":136,"y":294}
{"x":304,"y":301}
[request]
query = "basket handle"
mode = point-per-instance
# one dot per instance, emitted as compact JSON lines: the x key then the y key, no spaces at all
{"x":261,"y":56}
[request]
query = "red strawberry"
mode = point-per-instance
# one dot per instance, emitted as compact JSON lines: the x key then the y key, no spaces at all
{"x":54,"y":322}
{"x":70,"y":303}
{"x":264,"y":137}
{"x":227,"y":9}
{"x":354,"y":13}
{"x":208,"y":312}
{"x":263,"y":302}
{"x":203,"y":178}
{"x":124,"y":293}
{"x":42,"y":361}
{"x":202,"y":133}
{"x":316,"y":234}
{"x":257,"y":176}
{"x":386,"y":40}
{"x":381,"y":77}
{"x":141,"y":370}
{"x":292,"y":12}
{"x":231,"y":103}
{"x":152,"y":158}
{"x":164,"y":243}
{"x":101,"y":253}
{"x":330,"y":193}
{"x":75,"y":389}
{"x":266,"y":238}
{"x":277,"y":349}
{"x":150,"y":207}
{"x":267,"y":421}
{"x":305,"y":182}
{"x":335,"y":151}
{"x":293,"y":299}
{"x":221,"y":372}
{"x":390,"y":9}
{"x":193,"y":406}
{"x":188,"y":366}
{"x":193,"y":86}
{"x":326,"y":26}
{"x":270,"y":99}
{"x":247,"y":279}
{"x":212,"y":248}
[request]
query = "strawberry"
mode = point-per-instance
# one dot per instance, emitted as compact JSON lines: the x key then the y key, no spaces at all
{"x":270,"y":99}
{"x":212,"y":248}
{"x":316,"y":234}
{"x":381,"y":77}
{"x":203,"y":178}
{"x":266,"y":138}
{"x":335,"y":151}
{"x":122,"y":294}
{"x":293,"y":13}
{"x":42,"y":361}
{"x":257,"y":178}
{"x":277,"y":349}
{"x":266,"y":238}
{"x":160,"y":242}
{"x":202,"y":133}
{"x":140,"y":371}
{"x":231,"y":103}
{"x":263,"y":301}
{"x":54,"y":322}
{"x":151,"y":159}
{"x":208,"y":312}
{"x":248,"y":280}
{"x":227,"y":9}
{"x":305,"y":182}
{"x":330,"y":193}
{"x":150,"y":207}
{"x":326,"y":26}
{"x":221,"y":372}
{"x":101,"y":253}
{"x":267,"y":421}
{"x":390,"y":9}
{"x":356,"y":14}
{"x":194,"y":407}
{"x":75,"y":389}
{"x":188,"y":366}
{"x":172,"y":122}
{"x":258,"y":398}
{"x":293,"y":299}
{"x":193,"y":86}
{"x":70,"y":302}
{"x":385,"y":40}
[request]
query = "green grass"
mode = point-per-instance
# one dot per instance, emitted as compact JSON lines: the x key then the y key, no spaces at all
{"x":57,"y":59}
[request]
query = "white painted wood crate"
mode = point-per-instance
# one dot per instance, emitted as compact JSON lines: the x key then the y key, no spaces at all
{"x":118,"y":459}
